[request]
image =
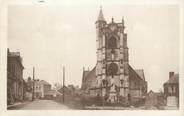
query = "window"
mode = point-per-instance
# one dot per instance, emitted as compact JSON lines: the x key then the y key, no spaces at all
{"x":112,"y":69}
{"x":135,"y":84}
{"x":112,"y":43}
{"x":103,"y":61}
{"x":170,"y":89}
{"x":174,"y":89}
{"x":104,"y":82}
{"x":121,"y":82}
{"x":121,"y":61}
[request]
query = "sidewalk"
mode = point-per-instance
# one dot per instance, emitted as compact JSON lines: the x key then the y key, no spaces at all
{"x":128,"y":108}
{"x":171,"y":108}
{"x":112,"y":108}
{"x":40,"y":105}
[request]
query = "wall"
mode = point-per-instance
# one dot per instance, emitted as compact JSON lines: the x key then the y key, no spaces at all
{"x":15,"y":78}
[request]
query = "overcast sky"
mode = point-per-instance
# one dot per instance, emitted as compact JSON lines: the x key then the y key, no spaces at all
{"x":49,"y":37}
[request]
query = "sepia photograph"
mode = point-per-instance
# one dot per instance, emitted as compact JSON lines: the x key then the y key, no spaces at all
{"x":97,"y":56}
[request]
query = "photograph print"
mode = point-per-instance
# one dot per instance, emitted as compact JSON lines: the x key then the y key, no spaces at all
{"x":93,"y":57}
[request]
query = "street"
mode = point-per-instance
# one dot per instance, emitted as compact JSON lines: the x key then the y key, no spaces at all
{"x":41,"y":105}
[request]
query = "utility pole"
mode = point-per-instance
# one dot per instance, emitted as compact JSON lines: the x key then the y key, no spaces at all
{"x":63,"y":84}
{"x":33,"y":83}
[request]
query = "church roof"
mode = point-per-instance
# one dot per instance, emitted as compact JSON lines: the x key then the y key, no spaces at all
{"x":92,"y":73}
{"x":100,"y":16}
{"x":84,"y":76}
{"x":140,"y":72}
{"x":85,"y":73}
{"x":173,"y":80}
{"x":88,"y":78}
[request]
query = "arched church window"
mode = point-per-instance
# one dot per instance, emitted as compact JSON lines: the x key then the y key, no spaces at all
{"x":112,"y":43}
{"x":121,"y":81}
{"x":103,"y":61}
{"x":121,"y":61}
{"x":112,"y":69}
{"x":104,"y":82}
{"x":170,"y":89}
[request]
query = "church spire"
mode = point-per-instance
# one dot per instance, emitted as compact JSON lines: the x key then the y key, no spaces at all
{"x":100,"y":16}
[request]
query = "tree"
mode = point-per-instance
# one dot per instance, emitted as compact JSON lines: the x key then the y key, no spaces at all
{"x":57,"y":86}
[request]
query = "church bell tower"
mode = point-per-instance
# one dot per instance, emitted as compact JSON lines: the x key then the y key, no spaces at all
{"x":112,"y":59}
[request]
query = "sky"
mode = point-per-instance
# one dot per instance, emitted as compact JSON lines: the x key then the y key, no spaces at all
{"x":49,"y":37}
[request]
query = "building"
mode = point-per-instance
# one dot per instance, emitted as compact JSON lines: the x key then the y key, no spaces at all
{"x":155,"y":99}
{"x":15,"y":80}
{"x":74,"y":90}
{"x":66,"y":90}
{"x":50,"y":94}
{"x":171,"y":90}
{"x":113,"y":78}
{"x":29,"y":95}
{"x":29,"y":89}
{"x":24,"y":90}
{"x":40,"y":88}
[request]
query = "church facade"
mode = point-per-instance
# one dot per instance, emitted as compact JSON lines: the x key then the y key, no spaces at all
{"x":113,"y":78}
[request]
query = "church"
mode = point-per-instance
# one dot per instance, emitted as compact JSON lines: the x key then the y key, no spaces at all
{"x":113,"y":79}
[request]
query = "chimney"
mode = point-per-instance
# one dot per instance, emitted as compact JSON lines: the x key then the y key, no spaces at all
{"x":171,"y":74}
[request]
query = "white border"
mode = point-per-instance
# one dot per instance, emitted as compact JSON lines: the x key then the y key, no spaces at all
{"x":3,"y":45}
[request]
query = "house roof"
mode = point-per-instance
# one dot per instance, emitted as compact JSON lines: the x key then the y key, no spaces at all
{"x":66,"y":90}
{"x":156,"y":93}
{"x":173,"y":80}
{"x":16,"y":55}
{"x":42,"y":82}
{"x":150,"y":91}
{"x":50,"y":92}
